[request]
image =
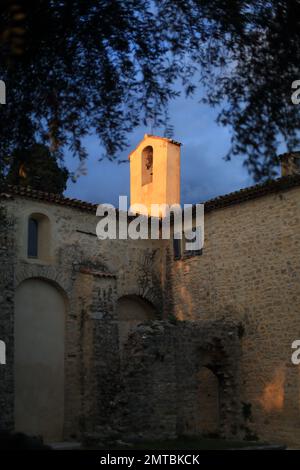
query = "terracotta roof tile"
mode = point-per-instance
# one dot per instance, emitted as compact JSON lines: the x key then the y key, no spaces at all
{"x":31,"y":193}
{"x":252,"y":192}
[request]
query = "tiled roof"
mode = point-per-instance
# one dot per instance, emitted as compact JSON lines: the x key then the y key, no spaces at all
{"x":166,"y":139}
{"x":286,"y":155}
{"x":237,"y":197}
{"x":30,"y":193}
{"x":252,"y":192}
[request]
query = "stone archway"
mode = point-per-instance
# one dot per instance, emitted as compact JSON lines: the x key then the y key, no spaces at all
{"x":181,"y":378}
{"x":132,"y":310}
{"x":208,"y":394}
{"x":206,"y":419}
{"x":40,"y":308}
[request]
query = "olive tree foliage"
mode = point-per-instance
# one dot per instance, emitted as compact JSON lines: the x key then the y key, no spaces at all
{"x":104,"y":67}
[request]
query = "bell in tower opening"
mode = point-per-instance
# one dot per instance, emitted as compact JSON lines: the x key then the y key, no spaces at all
{"x":155,"y":173}
{"x":147,"y":165}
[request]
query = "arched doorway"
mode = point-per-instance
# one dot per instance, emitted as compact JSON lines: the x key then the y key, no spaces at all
{"x":131,"y":311}
{"x":39,"y":359}
{"x":208,"y":400}
{"x":199,"y":401}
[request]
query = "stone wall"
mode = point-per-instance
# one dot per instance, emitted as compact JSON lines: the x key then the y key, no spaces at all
{"x":248,"y":277}
{"x":249,"y":272}
{"x":159,"y":396}
{"x":6,"y":316}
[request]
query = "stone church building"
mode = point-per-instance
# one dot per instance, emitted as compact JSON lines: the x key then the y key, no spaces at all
{"x":139,"y":339}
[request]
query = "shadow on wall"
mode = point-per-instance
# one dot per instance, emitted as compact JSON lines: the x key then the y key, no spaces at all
{"x":132,"y":310}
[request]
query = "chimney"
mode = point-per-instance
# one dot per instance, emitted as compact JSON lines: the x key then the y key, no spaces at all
{"x":290,"y":163}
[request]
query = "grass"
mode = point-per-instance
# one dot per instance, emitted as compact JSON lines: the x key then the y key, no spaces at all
{"x":191,"y":443}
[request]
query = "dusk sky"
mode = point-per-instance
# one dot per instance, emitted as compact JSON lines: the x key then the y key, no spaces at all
{"x":204,"y":173}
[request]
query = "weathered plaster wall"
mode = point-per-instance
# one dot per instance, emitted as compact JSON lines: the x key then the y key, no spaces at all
{"x":39,"y":333}
{"x":249,"y":272}
{"x":93,"y":275}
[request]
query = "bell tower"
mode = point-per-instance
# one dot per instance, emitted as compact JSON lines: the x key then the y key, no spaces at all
{"x":155,"y":172}
{"x":290,"y":163}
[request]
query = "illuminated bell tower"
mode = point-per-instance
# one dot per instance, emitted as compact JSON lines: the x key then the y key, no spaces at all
{"x":155,"y":172}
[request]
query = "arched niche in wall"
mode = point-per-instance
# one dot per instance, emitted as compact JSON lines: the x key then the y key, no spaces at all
{"x":131,"y":311}
{"x":39,"y":333}
{"x":199,"y":410}
{"x":208,"y":421}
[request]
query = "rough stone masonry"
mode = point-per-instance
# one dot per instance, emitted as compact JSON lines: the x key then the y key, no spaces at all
{"x":140,"y":344}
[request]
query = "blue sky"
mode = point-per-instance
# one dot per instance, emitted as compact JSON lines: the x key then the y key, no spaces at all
{"x":204,"y":173}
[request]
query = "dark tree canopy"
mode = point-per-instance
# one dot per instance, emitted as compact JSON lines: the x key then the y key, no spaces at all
{"x":103,"y":66}
{"x":37,"y":168}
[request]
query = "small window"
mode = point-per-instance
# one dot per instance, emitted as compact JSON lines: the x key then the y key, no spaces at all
{"x":194,"y":242}
{"x":33,"y":228}
{"x":147,"y":165}
{"x":297,"y":163}
{"x":180,"y":246}
{"x":38,"y":237}
{"x":177,"y":248}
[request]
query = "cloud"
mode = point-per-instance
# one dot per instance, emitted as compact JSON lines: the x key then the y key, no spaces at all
{"x":204,"y":173}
